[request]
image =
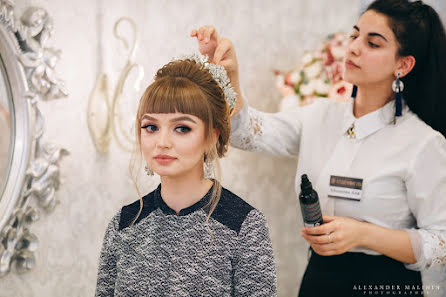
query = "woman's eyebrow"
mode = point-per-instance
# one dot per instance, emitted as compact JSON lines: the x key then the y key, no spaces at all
{"x":147,"y":117}
{"x":371,"y":33}
{"x":177,"y":119}
{"x":183,"y":118}
{"x":377,"y":34}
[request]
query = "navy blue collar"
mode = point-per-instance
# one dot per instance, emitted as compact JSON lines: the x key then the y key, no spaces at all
{"x":203,"y":202}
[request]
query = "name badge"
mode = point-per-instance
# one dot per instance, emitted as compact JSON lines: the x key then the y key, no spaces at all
{"x":345,"y":187}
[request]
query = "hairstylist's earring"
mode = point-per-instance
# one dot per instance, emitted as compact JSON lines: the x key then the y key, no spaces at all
{"x":354,"y":91}
{"x":398,"y":88}
{"x":208,"y":167}
{"x":148,"y":171}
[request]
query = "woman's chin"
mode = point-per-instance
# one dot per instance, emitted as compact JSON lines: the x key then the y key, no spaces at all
{"x":163,"y":173}
{"x":169,"y":173}
{"x":347,"y":77}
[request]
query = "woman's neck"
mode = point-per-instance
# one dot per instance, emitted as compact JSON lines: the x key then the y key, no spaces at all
{"x":183,"y":191}
{"x":371,"y":98}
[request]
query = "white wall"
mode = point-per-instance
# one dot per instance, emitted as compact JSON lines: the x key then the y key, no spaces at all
{"x":267,"y":34}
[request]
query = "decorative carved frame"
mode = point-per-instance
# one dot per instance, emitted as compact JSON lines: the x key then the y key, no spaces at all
{"x":33,"y":176}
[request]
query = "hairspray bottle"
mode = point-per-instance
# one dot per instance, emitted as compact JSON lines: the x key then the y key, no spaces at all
{"x":309,"y":203}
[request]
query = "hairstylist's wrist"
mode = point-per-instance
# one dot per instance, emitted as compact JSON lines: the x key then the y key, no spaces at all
{"x":364,"y":234}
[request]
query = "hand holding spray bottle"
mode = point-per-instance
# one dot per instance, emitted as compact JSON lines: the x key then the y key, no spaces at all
{"x":309,"y":204}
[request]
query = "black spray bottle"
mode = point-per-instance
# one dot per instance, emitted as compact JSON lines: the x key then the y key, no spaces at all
{"x":309,"y":204}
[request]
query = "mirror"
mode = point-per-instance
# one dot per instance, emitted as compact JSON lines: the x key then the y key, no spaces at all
{"x":29,"y":166}
{"x":5,"y":127}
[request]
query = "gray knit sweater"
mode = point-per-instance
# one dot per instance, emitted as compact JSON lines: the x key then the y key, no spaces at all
{"x":165,"y":254}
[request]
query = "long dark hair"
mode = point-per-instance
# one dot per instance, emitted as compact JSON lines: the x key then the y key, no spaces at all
{"x":420,"y":33}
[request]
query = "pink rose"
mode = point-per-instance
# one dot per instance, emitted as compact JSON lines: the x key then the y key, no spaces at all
{"x":288,"y":79}
{"x":335,"y":72}
{"x":329,"y":59}
{"x":341,"y":91}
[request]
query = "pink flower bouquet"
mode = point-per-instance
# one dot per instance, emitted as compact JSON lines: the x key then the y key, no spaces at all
{"x":319,"y":74}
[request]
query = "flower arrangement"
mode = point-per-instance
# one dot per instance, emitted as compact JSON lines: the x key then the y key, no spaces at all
{"x":319,"y":74}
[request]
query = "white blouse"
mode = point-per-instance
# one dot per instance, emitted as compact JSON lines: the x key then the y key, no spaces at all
{"x":402,"y":165}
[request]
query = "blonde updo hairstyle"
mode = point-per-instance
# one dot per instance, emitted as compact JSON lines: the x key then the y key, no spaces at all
{"x":185,"y":86}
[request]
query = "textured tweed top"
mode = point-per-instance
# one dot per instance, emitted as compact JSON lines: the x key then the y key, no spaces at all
{"x":165,"y":254}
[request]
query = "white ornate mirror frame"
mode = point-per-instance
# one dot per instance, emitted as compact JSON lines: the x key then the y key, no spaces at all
{"x":32,"y":177}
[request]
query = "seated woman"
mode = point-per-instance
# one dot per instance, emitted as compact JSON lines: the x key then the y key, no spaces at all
{"x":190,"y":236}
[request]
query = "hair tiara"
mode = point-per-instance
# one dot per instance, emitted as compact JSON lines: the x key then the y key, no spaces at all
{"x":220,"y":75}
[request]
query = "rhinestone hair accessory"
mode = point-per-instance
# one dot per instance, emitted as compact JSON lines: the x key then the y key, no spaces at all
{"x":220,"y":75}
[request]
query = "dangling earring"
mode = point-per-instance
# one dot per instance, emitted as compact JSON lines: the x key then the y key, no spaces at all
{"x":149,"y":171}
{"x":208,"y":167}
{"x":398,"y":87}
{"x":354,"y":91}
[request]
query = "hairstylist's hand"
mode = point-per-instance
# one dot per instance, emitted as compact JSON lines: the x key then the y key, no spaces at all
{"x":207,"y":38}
{"x":336,"y":236}
{"x":221,"y":51}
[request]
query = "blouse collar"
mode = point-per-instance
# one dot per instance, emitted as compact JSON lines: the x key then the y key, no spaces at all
{"x":371,"y":122}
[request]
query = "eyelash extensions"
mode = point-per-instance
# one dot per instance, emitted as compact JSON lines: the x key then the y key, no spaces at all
{"x":184,"y":129}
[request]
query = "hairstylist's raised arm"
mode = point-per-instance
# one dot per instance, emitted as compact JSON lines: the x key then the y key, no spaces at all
{"x":251,"y":130}
{"x":221,"y":51}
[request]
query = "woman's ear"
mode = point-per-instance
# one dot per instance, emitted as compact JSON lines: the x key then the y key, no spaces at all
{"x":214,"y":139}
{"x":405,"y":66}
{"x":216,"y":133}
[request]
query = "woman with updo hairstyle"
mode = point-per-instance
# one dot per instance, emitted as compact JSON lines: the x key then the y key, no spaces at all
{"x":190,"y":236}
{"x":378,"y":161}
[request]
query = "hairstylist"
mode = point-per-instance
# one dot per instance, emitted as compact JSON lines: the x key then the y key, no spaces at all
{"x":390,"y":138}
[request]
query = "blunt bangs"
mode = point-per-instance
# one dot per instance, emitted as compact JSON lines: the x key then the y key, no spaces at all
{"x":175,"y":94}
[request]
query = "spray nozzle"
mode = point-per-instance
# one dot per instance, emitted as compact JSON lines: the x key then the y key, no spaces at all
{"x":305,"y":184}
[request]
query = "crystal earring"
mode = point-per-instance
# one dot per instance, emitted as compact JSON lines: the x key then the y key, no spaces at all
{"x":149,"y":171}
{"x":208,"y":167}
{"x":398,"y":87}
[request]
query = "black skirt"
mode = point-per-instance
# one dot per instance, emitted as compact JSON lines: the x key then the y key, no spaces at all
{"x":358,"y":274}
